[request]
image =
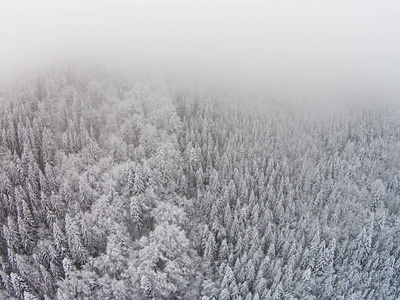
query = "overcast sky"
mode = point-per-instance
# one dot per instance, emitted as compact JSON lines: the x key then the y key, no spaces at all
{"x":300,"y":46}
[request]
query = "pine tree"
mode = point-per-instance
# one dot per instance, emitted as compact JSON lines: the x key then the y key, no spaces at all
{"x":228,"y":216}
{"x":75,"y":246}
{"x":26,"y":233}
{"x":224,"y":295}
{"x":51,"y":181}
{"x":12,"y":235}
{"x":88,"y":238}
{"x":209,"y":251}
{"x":229,"y":277}
{"x":136,"y":211}
{"x":223,"y":251}
{"x":48,"y":148}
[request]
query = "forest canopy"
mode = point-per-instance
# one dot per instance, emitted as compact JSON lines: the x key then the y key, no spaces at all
{"x":126,"y":189}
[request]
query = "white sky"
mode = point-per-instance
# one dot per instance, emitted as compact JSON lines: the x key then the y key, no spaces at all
{"x":303,"y":46}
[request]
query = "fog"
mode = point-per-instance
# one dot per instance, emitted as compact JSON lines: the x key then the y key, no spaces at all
{"x":301,"y":49}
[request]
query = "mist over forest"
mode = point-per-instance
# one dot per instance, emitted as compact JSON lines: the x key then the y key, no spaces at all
{"x":199,"y":150}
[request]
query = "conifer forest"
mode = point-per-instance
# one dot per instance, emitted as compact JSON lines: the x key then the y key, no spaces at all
{"x":131,"y":189}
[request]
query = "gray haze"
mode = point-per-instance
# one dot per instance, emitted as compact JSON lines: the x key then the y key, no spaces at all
{"x":308,"y":49}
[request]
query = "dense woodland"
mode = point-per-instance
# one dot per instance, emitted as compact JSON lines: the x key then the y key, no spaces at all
{"x":118,"y":189}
